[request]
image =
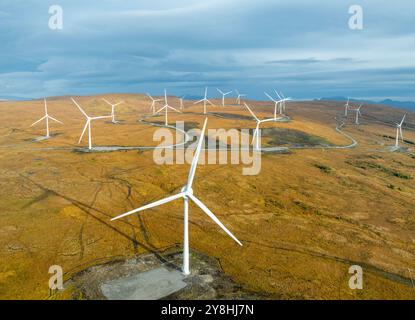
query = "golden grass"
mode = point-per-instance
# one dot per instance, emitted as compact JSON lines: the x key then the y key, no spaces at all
{"x":302,"y":227}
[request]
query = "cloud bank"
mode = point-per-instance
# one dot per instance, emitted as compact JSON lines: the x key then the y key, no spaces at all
{"x":304,"y":48}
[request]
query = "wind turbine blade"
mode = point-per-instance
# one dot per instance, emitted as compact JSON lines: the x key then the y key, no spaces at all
{"x":107,"y":101}
{"x":46,"y":106}
{"x":161,"y":109}
{"x":165,"y":96}
{"x":272,"y":99}
{"x":213,"y":217}
{"x":79,"y":107}
{"x":400,"y":131}
{"x":220,"y":91}
{"x":403,"y":119}
{"x":276,"y":92}
{"x":37,"y":121}
{"x":55,"y":119}
{"x":249,"y":109}
{"x":83,"y":131}
{"x":148,"y":95}
{"x":170,"y":107}
{"x":199,"y":101}
{"x":228,"y":93}
{"x":101,"y":117}
{"x":254,"y":135}
{"x":196,"y":156}
{"x":150,"y":205}
{"x":209,"y":102}
{"x":117,"y":104}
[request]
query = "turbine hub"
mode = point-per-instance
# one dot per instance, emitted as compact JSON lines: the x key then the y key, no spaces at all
{"x":187,"y":190}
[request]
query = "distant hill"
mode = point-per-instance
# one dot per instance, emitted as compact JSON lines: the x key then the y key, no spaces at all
{"x":409,"y":105}
{"x":11,"y":98}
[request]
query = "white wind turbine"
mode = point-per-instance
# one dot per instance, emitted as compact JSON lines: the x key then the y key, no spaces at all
{"x":166,"y":107}
{"x":283,"y":99}
{"x":276,"y":103}
{"x":113,"y":109}
{"x":46,"y":117}
{"x":346,"y":107}
{"x":358,"y":113}
{"x":181,"y":102}
{"x":256,"y":135}
{"x":88,"y":124}
{"x":239,"y":96}
{"x":224,"y":94}
{"x":204,"y":100}
{"x":399,"y":131}
{"x":153,"y":103}
{"x":187,"y":193}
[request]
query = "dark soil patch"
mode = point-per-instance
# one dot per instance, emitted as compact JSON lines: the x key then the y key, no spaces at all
{"x":365,"y":165}
{"x":291,"y":137}
{"x":231,"y":116}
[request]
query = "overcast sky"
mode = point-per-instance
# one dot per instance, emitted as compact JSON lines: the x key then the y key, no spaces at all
{"x":304,"y":48}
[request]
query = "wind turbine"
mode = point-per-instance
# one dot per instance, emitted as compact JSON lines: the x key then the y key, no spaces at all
{"x":358,"y":113}
{"x":46,"y":117}
{"x":186,"y":193}
{"x":153,"y":103}
{"x":283,"y":99}
{"x":224,"y":94}
{"x":166,"y":106}
{"x":88,"y":124}
{"x":346,"y":107}
{"x":204,"y":100}
{"x":113,"y":109}
{"x":238,"y":98}
{"x":399,"y":131}
{"x":276,"y":102}
{"x":181,"y":102}
{"x":255,"y":136}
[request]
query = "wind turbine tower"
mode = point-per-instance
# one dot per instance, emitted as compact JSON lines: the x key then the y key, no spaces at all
{"x":239,"y":96}
{"x":399,"y":132}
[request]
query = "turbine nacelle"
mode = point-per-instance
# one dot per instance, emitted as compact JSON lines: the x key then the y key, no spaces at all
{"x":187,"y":191}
